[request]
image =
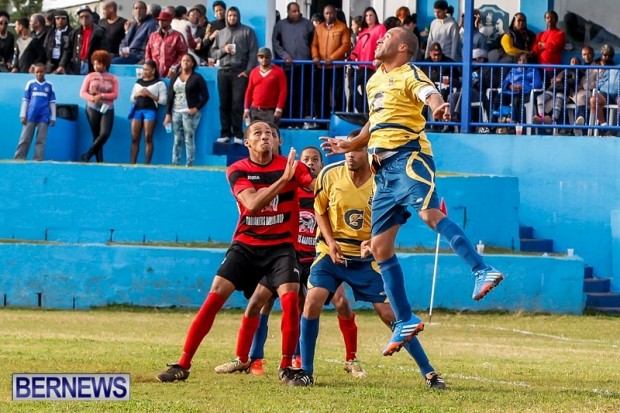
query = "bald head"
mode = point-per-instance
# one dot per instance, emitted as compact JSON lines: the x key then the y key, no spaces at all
{"x":407,"y":37}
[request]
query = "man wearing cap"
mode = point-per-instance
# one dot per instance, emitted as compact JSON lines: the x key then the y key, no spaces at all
{"x":165,"y":46}
{"x":266,"y":92}
{"x":56,"y":41}
{"x":235,"y":47}
{"x":82,"y":44}
{"x":114,"y":26}
{"x":133,"y":46}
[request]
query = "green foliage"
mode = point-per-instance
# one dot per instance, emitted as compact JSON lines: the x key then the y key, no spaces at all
{"x":490,"y":362}
{"x":23,"y":8}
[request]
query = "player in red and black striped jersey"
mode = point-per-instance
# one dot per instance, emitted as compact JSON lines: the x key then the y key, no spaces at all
{"x":265,"y":187}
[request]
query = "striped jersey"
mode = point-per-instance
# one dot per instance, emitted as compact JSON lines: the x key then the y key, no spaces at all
{"x":277,"y":222}
{"x":347,"y":207}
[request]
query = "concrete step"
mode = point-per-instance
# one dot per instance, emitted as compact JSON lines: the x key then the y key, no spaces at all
{"x":526,"y":232}
{"x":588,"y":272}
{"x":606,"y":310}
{"x":536,"y":245}
{"x":602,"y":300}
{"x":596,"y":285}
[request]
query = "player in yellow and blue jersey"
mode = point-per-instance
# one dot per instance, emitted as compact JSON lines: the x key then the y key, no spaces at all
{"x":343,"y":196}
{"x":403,"y":159}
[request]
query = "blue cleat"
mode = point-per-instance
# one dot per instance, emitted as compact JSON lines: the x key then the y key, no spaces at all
{"x":403,"y":332}
{"x":484,"y":281}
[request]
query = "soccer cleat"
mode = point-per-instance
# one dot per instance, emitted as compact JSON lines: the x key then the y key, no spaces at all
{"x":286,"y":374}
{"x":301,"y":378}
{"x":257,"y":367}
{"x":484,"y":281}
{"x":403,"y":332}
{"x":434,"y":381}
{"x":296,"y":363}
{"x":174,"y":373}
{"x":355,"y":368}
{"x":233,"y":366}
{"x":223,"y":139}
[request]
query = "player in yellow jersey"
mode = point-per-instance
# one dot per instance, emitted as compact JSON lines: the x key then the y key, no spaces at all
{"x":405,"y":173}
{"x":343,"y":195}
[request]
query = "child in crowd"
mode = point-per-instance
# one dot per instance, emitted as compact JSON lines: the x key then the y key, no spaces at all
{"x":38,"y":110}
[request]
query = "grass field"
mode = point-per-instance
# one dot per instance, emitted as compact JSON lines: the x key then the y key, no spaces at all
{"x":490,"y":362}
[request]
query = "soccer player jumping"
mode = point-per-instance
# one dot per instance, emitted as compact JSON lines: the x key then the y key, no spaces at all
{"x":405,"y":173}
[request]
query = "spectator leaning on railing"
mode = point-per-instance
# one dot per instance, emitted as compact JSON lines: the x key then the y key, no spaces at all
{"x":607,"y":85}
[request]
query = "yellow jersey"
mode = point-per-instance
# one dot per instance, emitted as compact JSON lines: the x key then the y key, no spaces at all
{"x":347,"y":207}
{"x":396,"y":110}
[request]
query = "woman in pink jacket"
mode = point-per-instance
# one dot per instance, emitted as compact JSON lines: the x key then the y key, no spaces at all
{"x":99,"y":90}
{"x":364,"y":51}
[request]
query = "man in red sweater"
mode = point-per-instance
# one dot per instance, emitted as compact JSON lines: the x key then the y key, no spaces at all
{"x":266,"y":93}
{"x":549,"y":45}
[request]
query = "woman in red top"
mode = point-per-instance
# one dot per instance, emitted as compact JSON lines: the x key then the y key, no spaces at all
{"x":364,"y":51}
{"x":99,"y":90}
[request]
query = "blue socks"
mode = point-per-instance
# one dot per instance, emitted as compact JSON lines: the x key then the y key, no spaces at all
{"x":394,"y":283}
{"x":307,"y":343}
{"x":414,"y":347}
{"x":257,"y":351}
{"x":460,"y":243}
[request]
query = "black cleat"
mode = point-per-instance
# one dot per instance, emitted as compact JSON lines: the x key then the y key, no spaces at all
{"x":174,"y":373}
{"x":434,"y":381}
{"x":301,"y":379}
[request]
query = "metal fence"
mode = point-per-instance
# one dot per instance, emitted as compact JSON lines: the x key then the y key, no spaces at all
{"x":561,"y":100}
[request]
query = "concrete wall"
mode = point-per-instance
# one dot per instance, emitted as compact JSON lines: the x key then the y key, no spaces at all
{"x":96,"y":275}
{"x":568,"y":186}
{"x":79,"y":203}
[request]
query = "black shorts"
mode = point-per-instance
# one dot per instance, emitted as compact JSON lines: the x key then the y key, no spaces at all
{"x":246,"y":265}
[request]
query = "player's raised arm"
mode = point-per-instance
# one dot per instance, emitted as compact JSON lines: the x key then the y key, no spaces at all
{"x":333,"y":146}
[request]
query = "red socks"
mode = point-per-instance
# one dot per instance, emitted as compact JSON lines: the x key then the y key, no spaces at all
{"x":245,"y":336}
{"x":349,"y":333}
{"x":200,"y":327}
{"x":289,"y":327}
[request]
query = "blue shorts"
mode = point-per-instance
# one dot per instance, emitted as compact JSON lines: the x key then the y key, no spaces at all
{"x":145,"y":114}
{"x":404,"y":179}
{"x":364,"y":278}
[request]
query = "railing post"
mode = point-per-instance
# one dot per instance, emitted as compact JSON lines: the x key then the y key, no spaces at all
{"x":466,"y":72}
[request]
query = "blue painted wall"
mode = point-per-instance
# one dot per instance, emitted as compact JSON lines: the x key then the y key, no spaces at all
{"x":96,"y":275}
{"x":568,"y":186}
{"x":615,"y":246}
{"x":81,"y":203}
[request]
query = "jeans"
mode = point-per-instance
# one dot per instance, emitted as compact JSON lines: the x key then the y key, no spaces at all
{"x":184,"y":127}
{"x":26,"y":138}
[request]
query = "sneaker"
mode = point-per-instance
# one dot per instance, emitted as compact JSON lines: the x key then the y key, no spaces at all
{"x":403,"y":332}
{"x":174,"y":373}
{"x":580,"y":121}
{"x":233,"y":366}
{"x":256,"y":367}
{"x":434,"y":381}
{"x":355,"y":368}
{"x":538,"y":120}
{"x":301,"y":379}
{"x":238,"y":141}
{"x":286,"y":374}
{"x":484,"y":281}
{"x":223,"y":139}
{"x":296,"y":364}
{"x":548,"y":120}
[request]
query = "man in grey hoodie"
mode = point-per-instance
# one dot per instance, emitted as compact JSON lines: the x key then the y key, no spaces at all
{"x":235,"y":47}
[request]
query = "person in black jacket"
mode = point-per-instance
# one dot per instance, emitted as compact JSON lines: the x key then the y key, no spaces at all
{"x":187,"y":94}
{"x":77,"y":60}
{"x":7,"y":42}
{"x":55,"y":44}
{"x":28,"y":51}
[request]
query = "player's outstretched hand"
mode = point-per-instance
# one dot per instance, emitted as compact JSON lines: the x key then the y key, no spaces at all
{"x":291,"y":165}
{"x":442,"y":112}
{"x":333,"y":146}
